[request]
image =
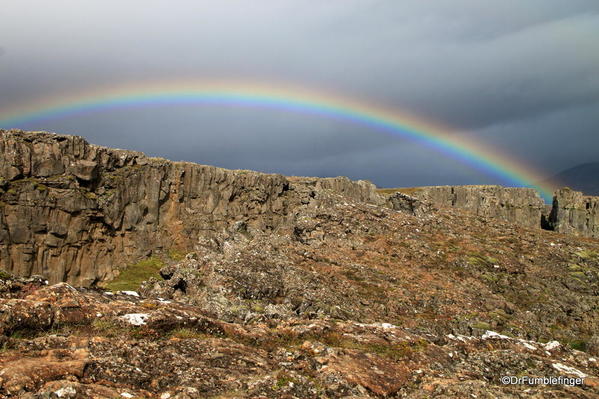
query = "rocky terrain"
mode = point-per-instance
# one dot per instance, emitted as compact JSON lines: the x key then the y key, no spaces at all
{"x":187,"y":281}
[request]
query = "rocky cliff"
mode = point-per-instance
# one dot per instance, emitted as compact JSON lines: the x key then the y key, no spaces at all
{"x":575,"y":213}
{"x":523,"y":206}
{"x":76,"y":212}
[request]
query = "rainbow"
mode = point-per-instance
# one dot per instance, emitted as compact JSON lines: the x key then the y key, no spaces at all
{"x":292,"y":99}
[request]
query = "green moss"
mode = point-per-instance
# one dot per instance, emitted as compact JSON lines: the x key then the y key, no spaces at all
{"x":586,"y":254}
{"x":257,"y":306}
{"x":578,"y":345}
{"x":490,"y":277}
{"x":283,"y":380}
{"x":132,"y":276}
{"x":41,"y":187}
{"x":393,"y":351}
{"x":188,"y":333}
{"x":482,"y":260}
{"x":481,"y":325}
{"x":578,"y":275}
{"x":109,"y":328}
{"x":574,"y":267}
{"x":176,"y":254}
{"x":5,"y":275}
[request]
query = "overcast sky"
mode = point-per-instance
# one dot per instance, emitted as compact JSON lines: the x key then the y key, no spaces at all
{"x":522,"y":76}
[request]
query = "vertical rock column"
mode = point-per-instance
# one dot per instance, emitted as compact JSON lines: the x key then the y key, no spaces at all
{"x":575,"y":213}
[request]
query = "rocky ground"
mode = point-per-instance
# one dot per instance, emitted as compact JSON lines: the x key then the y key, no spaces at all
{"x":346,"y":299}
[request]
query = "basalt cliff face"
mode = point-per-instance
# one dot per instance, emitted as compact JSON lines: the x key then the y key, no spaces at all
{"x":72,"y":211}
{"x":518,"y":205}
{"x":575,"y":213}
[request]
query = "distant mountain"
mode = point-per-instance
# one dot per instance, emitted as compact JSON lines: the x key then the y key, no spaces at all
{"x":583,"y":178}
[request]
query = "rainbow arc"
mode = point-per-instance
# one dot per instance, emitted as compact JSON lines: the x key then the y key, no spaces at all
{"x":382,"y":119}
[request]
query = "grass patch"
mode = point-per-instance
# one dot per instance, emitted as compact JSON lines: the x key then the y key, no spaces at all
{"x":578,"y":276}
{"x":586,"y":254}
{"x":176,"y":255}
{"x":578,"y":344}
{"x":188,"y":333}
{"x":4,"y":275}
{"x":481,"y":325}
{"x":132,"y":276}
{"x":283,"y":380}
{"x":393,"y":351}
{"x":287,"y":339}
{"x":482,"y":260}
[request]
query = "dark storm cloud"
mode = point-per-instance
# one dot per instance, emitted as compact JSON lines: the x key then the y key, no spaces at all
{"x":521,"y":75}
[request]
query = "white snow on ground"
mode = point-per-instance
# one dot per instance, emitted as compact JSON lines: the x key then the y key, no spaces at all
{"x":527,"y":344}
{"x":137,"y":319}
{"x":552,"y":345}
{"x":132,"y":293}
{"x":567,"y":369}
{"x":460,"y":337}
{"x":492,"y":334}
{"x":66,"y":392}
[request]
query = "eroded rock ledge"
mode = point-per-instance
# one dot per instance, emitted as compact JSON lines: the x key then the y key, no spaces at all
{"x":75,"y":212}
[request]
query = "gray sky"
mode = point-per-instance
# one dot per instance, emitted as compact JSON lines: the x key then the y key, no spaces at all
{"x":522,"y":76}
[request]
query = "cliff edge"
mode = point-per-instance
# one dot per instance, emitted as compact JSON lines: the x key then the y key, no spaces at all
{"x":75,"y":212}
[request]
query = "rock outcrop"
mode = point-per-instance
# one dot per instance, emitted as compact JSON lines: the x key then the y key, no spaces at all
{"x":575,"y":213}
{"x":522,"y":206}
{"x":76,"y":212}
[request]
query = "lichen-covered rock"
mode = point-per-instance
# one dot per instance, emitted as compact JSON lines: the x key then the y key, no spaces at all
{"x":406,"y":203}
{"x":180,"y":351}
{"x":575,"y":213}
{"x":522,"y":206}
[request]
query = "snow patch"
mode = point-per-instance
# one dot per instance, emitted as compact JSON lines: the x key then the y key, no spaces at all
{"x":66,"y":392}
{"x":492,"y":334}
{"x":567,"y":369}
{"x":462,"y":338}
{"x":551,"y":345}
{"x":527,"y":345}
{"x":132,"y":293}
{"x":126,"y":395}
{"x":137,"y":319}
